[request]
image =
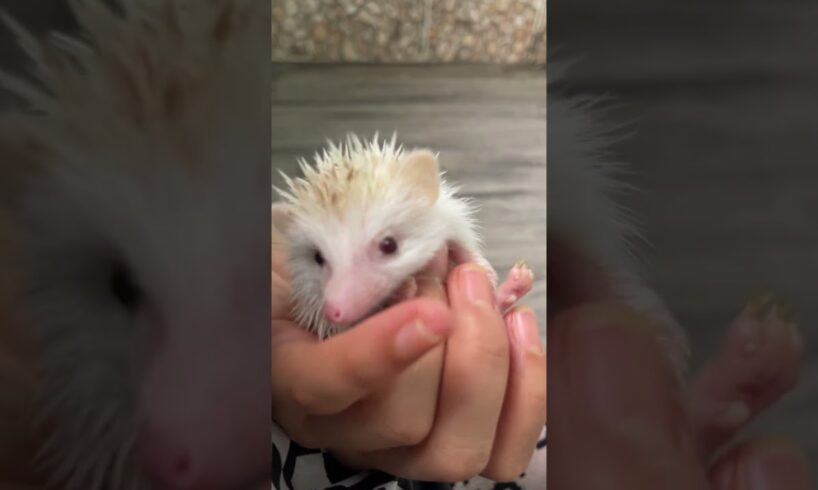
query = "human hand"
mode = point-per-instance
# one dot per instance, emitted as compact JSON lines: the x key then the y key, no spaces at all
{"x":351,"y":390}
{"x":492,"y":403}
{"x":619,"y":420}
{"x":481,"y":410}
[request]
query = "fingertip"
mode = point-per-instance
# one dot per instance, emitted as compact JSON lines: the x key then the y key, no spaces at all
{"x":469,"y":267}
{"x":471,"y":284}
{"x":609,"y":326}
{"x":525,"y":331}
{"x":613,"y":362}
{"x":769,"y":463}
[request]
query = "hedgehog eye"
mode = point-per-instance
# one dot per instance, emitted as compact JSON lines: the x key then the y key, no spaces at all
{"x":124,"y":288}
{"x":319,"y":259}
{"x":388,"y":246}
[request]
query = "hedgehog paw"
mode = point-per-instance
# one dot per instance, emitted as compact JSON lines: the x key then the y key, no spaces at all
{"x":757,"y":364}
{"x":517,"y":284}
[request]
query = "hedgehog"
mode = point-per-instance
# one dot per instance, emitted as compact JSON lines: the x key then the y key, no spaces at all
{"x":135,"y":228}
{"x":363,"y":221}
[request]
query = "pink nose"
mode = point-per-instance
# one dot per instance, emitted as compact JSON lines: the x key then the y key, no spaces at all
{"x":333,"y":313}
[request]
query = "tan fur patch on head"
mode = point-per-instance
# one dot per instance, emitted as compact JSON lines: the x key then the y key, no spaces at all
{"x":356,"y":173}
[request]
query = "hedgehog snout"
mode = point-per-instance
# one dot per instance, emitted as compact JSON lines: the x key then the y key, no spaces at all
{"x":334,"y":313}
{"x":349,"y":299}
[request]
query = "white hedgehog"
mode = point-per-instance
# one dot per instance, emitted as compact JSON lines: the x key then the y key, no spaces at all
{"x":363,"y":220}
{"x":135,"y":231}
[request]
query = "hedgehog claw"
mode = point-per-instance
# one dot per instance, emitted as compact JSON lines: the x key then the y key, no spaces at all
{"x":517,"y":284}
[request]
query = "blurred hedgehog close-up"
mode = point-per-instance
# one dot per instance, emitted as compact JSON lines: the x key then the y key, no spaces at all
{"x":134,"y":230}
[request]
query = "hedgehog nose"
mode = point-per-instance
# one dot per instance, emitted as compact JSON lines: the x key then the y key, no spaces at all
{"x":333,"y":313}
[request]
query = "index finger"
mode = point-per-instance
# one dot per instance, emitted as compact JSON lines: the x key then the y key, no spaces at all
{"x":327,"y":377}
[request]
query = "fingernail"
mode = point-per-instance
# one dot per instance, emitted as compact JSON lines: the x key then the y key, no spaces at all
{"x":778,"y":467}
{"x":475,"y":284}
{"x":418,"y":336}
{"x":624,"y":377}
{"x":525,"y":331}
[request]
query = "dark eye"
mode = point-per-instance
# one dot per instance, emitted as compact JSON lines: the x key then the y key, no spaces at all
{"x":124,"y":288}
{"x":319,"y":259}
{"x":388,"y":246}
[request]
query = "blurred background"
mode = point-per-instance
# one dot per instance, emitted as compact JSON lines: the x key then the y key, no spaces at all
{"x":725,"y":154}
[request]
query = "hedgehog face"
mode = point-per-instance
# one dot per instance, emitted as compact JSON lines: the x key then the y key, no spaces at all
{"x":360,"y":224}
{"x":145,"y":288}
{"x":346,"y":268}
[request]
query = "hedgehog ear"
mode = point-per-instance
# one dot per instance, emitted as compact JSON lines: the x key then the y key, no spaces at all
{"x":422,"y":172}
{"x":282,"y":216}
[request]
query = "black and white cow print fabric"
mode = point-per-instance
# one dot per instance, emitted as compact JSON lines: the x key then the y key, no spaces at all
{"x":298,"y":468}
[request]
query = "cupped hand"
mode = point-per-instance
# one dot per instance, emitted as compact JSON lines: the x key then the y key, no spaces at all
{"x":619,"y":419}
{"x":440,"y":388}
{"x":492,"y":400}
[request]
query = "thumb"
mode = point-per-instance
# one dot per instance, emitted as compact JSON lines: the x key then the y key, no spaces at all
{"x":360,"y":360}
{"x":616,"y":420}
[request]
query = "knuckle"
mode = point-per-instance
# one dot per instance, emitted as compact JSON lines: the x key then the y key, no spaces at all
{"x":459,"y":464}
{"x":405,"y":430}
{"x":310,"y":401}
{"x":303,"y":397}
{"x":357,"y":375}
